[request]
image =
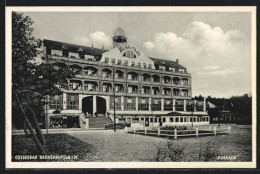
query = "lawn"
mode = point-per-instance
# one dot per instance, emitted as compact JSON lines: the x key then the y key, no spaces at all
{"x":57,"y":144}
{"x":106,"y":145}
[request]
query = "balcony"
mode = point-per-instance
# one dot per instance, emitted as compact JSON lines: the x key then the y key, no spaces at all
{"x":77,"y":60}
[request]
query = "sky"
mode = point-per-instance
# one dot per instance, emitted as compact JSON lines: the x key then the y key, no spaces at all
{"x":215,"y":47}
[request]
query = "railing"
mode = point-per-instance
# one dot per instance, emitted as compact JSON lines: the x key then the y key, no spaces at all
{"x":180,"y":133}
{"x":119,"y":66}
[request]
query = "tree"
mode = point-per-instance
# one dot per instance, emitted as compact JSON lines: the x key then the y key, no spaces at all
{"x":242,"y":108}
{"x":32,"y":80}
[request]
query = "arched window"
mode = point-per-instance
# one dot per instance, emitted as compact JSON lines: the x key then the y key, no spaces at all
{"x":129,"y":54}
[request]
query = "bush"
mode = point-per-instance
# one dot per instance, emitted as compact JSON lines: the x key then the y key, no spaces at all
{"x":208,"y":153}
{"x":174,"y":127}
{"x":169,"y":152}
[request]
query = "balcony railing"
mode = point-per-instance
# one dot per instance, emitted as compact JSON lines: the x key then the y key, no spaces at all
{"x":93,"y":61}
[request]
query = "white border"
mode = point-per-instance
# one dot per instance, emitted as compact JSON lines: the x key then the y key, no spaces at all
{"x":8,"y":70}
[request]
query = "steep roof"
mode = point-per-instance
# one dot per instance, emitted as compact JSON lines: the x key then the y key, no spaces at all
{"x":73,"y":47}
{"x":163,"y":62}
{"x":98,"y":52}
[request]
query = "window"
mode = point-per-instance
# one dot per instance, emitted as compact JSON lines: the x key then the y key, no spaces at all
{"x":181,"y":119}
{"x":185,"y":119}
{"x":151,"y":120}
{"x":65,"y":53}
{"x":163,"y":119}
{"x":106,"y":60}
{"x":168,"y":104}
{"x":129,"y":54}
{"x":177,"y":119}
{"x":126,"y":63}
{"x":156,"y":104}
{"x":117,"y":101}
{"x":155,"y":120}
{"x":144,"y":65}
{"x":129,"y":103}
{"x":150,"y":66}
{"x":81,"y":55}
{"x":185,"y":81}
{"x":119,"y":62}
{"x":143,"y":104}
{"x":171,"y":119}
{"x":133,"y":64}
{"x":139,"y":65}
{"x":113,"y":61}
{"x":72,"y":101}
{"x":135,"y":120}
{"x":55,"y":102}
{"x":179,"y":105}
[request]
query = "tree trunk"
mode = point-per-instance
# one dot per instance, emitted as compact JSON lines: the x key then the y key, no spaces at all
{"x":30,"y":126}
{"x":25,"y":129}
{"x":36,"y":126}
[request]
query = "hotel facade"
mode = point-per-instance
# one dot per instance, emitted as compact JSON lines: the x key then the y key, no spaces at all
{"x":147,"y":91}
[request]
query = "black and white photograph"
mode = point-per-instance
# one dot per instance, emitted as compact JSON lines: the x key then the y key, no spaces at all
{"x":131,"y":87}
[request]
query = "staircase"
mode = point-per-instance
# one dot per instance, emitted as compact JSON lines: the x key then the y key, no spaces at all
{"x":99,"y":122}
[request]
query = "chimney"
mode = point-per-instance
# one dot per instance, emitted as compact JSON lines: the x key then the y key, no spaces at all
{"x":177,"y":60}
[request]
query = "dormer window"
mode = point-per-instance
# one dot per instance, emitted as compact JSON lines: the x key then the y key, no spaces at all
{"x":133,"y":64}
{"x":65,"y":51}
{"x":144,"y":64}
{"x":81,"y":53}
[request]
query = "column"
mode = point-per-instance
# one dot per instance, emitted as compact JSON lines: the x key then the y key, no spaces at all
{"x":94,"y":104}
{"x":122,"y":103}
{"x":184,"y":103}
{"x":204,"y":104}
{"x":195,"y":105}
{"x":108,"y":103}
{"x":150,"y":104}
{"x":64,"y":100}
{"x":136,"y":103}
{"x":162,"y":104}
{"x":80,"y":101}
{"x":173,"y":103}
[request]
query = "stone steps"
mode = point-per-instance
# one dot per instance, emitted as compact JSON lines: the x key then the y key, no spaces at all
{"x":99,"y":122}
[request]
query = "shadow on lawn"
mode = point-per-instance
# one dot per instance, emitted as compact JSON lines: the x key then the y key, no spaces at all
{"x":57,"y":144}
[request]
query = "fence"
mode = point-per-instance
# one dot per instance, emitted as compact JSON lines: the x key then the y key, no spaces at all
{"x":180,"y":133}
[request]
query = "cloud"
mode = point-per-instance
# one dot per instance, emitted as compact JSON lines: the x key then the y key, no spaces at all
{"x":149,"y":45}
{"x":98,"y":39}
{"x":211,"y":67}
{"x":199,"y":48}
{"x":81,"y":40}
{"x":227,"y":71}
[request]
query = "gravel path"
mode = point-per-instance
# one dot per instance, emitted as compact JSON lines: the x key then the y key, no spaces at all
{"x":120,"y":146}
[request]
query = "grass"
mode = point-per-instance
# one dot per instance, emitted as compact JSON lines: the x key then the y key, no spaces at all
{"x":109,"y":146}
{"x":57,"y":144}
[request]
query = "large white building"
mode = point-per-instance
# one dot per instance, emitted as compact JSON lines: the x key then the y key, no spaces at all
{"x":148,"y":91}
